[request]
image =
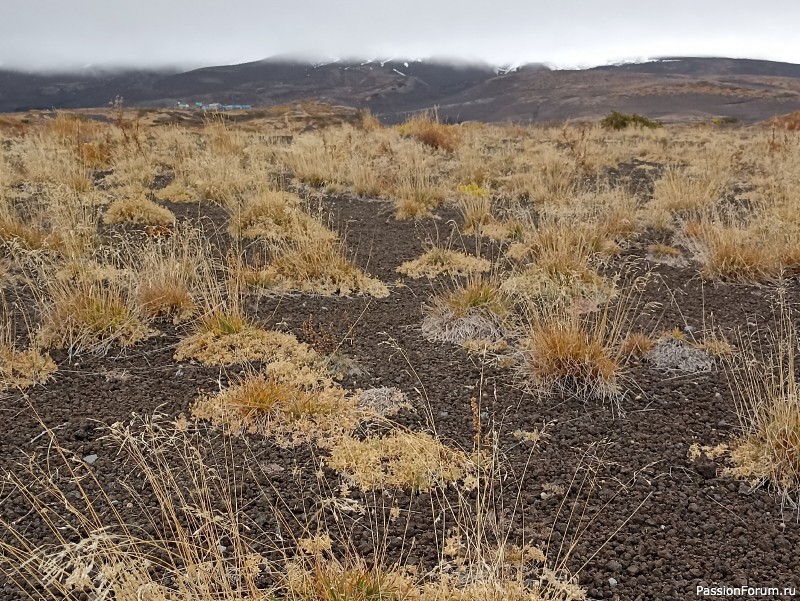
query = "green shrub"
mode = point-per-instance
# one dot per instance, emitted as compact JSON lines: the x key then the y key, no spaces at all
{"x":617,"y":120}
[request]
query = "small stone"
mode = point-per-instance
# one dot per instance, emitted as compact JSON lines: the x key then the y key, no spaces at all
{"x":90,"y":459}
{"x":612,"y":582}
{"x":707,"y":469}
{"x":614,"y":565}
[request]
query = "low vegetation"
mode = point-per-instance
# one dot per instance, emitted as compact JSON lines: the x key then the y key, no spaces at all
{"x":617,"y":120}
{"x":343,"y":437}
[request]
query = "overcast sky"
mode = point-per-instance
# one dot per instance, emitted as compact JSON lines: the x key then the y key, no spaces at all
{"x":61,"y":34}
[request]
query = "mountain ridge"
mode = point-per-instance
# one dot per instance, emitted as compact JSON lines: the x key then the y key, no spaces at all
{"x":668,"y":88}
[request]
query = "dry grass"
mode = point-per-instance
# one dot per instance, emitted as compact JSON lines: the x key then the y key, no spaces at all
{"x":767,"y":399}
{"x":293,"y":404}
{"x":636,"y":344}
{"x":168,"y":274}
{"x":140,"y":211}
{"x":23,"y":368}
{"x":476,"y":209}
{"x":680,"y":192}
{"x":226,"y":337}
{"x":542,"y":286}
{"x":277,"y":217}
{"x":582,"y":352}
{"x":437,"y":261}
{"x":663,"y":251}
{"x":90,"y":316}
{"x":426,"y":129}
{"x":177,"y":191}
{"x":313,"y":266}
{"x":472,"y":311}
{"x":400,"y":459}
{"x":757,"y":252}
{"x":570,"y":353}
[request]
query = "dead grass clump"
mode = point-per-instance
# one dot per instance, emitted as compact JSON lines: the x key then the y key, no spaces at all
{"x":228,"y":337}
{"x":680,"y":192}
{"x":739,"y":253}
{"x":142,"y":211}
{"x":416,"y":193}
{"x":315,"y":267}
{"x":91,"y":316}
{"x":289,"y":402}
{"x":318,"y":578}
{"x":166,"y":298}
{"x":177,"y":191}
{"x":571,"y":353}
{"x":472,"y":310}
{"x":24,"y":368}
{"x":29,"y":236}
{"x":767,"y":399}
{"x":437,"y":261}
{"x":545,"y":286}
{"x":277,"y":217}
{"x":427,"y":130}
{"x":401,"y":459}
{"x":636,"y":344}
{"x":476,"y":209}
{"x":664,"y":251}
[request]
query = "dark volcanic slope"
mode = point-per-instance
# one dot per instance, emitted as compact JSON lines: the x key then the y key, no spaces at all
{"x":668,"y":89}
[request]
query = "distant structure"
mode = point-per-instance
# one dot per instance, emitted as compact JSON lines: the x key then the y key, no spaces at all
{"x":214,"y":106}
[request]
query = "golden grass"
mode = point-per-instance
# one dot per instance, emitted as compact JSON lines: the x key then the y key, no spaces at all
{"x":636,"y":344}
{"x":29,"y":236}
{"x":399,"y":459}
{"x":277,"y":217}
{"x":426,"y":129}
{"x":177,"y":191}
{"x":291,"y":403}
{"x":86,"y":315}
{"x":140,"y":211}
{"x":228,"y":337}
{"x":568,"y":352}
{"x":759,"y":252}
{"x":476,"y":209}
{"x":767,"y":399}
{"x":664,"y":251}
{"x":477,"y":293}
{"x":680,"y":192}
{"x":552,"y":287}
{"x":24,"y":368}
{"x":313,"y":266}
{"x":438,"y":261}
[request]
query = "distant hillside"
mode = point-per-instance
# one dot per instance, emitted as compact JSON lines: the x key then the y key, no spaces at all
{"x":673,"y":89}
